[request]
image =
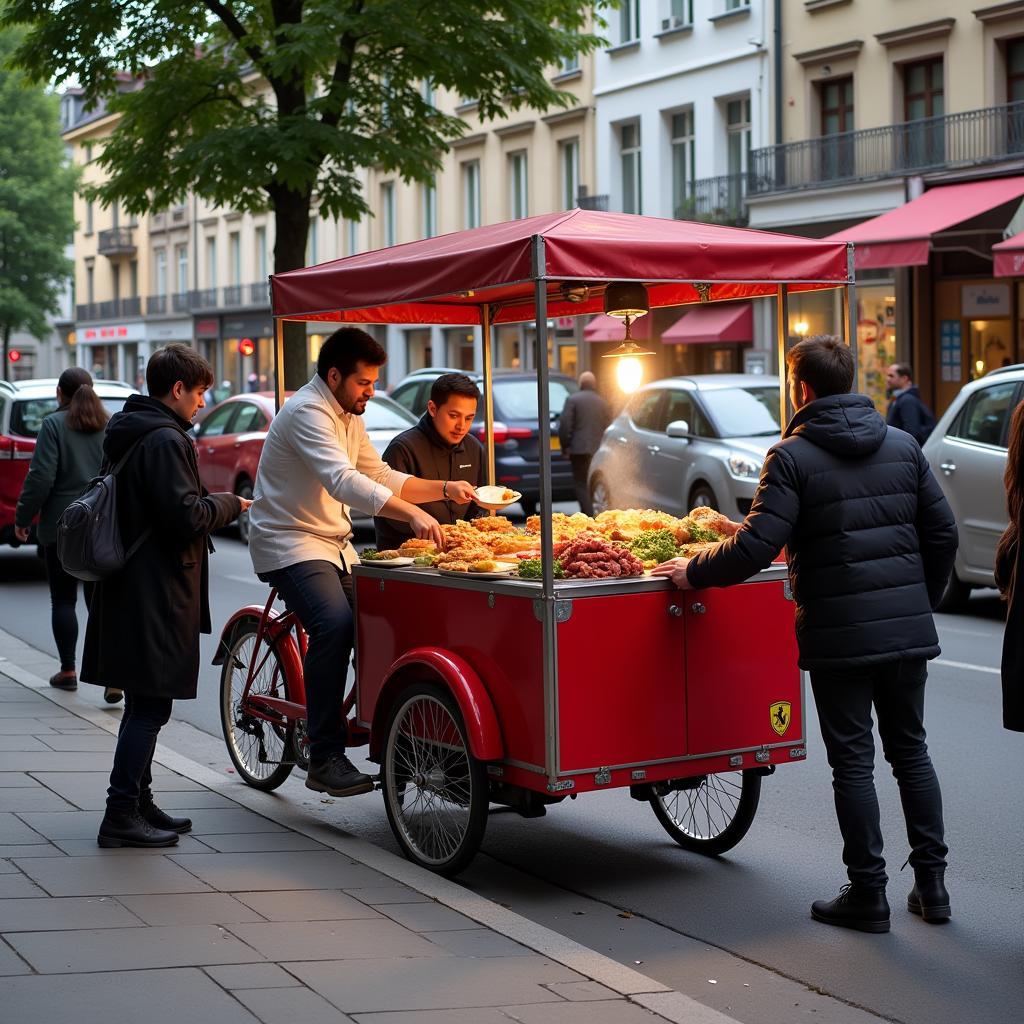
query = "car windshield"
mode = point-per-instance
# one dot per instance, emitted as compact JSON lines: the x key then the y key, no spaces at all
{"x":379,"y":416}
{"x":27,"y":416}
{"x":743,"y":412}
{"x":517,"y":399}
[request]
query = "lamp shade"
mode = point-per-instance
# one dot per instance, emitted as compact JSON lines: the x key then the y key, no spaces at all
{"x":626,"y":299}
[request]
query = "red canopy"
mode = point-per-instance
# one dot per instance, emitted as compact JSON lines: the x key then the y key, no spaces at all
{"x":446,"y":280}
{"x":609,"y":328}
{"x":722,"y":323}
{"x":1009,"y":257}
{"x":902,"y":237}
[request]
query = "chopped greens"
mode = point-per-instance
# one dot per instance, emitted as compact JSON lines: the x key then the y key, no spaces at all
{"x":654,"y":546}
{"x":531,"y":569}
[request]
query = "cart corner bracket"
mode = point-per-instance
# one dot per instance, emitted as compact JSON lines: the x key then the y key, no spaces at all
{"x":563,"y":610}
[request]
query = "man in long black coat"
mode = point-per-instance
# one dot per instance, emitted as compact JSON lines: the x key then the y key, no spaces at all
{"x":870,"y":541}
{"x":907,"y":410}
{"x":145,"y":621}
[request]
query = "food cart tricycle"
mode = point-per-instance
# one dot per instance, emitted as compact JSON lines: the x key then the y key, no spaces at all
{"x":516,"y":692}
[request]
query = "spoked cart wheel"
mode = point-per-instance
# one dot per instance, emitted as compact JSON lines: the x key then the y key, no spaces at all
{"x":435,"y":791}
{"x":262,"y":752}
{"x":711,"y":813}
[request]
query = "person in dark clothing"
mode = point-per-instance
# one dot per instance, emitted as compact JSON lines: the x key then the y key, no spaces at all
{"x":906,"y":410}
{"x":68,"y":453}
{"x":585,"y":417}
{"x":439,"y":447}
{"x":1010,"y":578}
{"x":870,"y":541}
{"x":145,"y":620}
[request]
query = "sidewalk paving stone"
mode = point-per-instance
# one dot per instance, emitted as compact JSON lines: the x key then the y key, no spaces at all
{"x":288,"y":1005}
{"x":22,"y":742}
{"x":109,"y":876}
{"x":24,"y":799}
{"x":14,"y":830}
{"x":18,"y":727}
{"x":89,"y":847}
{"x":229,"y":821}
{"x":82,"y":952}
{"x":79,"y":742}
{"x":40,"y":848}
{"x":261,"y":842}
{"x":270,"y":872}
{"x":612,"y":1012}
{"x":17,"y":780}
{"x":17,"y":886}
{"x":427,"y":917}
{"x":73,"y":912}
{"x":189,"y":908}
{"x":248,"y":976}
{"x":394,"y":892}
{"x":58,"y":825}
{"x":350,"y":940}
{"x":307,"y":905}
{"x":581,"y":991}
{"x":55,"y":761}
{"x":11,"y":964}
{"x":474,"y":1016}
{"x":478,"y":942}
{"x":168,"y":996}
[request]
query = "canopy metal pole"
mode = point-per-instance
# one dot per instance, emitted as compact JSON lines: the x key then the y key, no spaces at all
{"x":278,"y":363}
{"x":850,"y":312}
{"x":782,"y":330}
{"x":485,"y":327}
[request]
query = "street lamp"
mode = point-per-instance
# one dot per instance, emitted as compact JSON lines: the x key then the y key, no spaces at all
{"x":627,"y":300}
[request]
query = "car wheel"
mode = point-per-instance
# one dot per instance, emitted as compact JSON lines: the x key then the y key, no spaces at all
{"x":243,"y":490}
{"x":600,"y":495}
{"x":702,"y":494}
{"x":954,"y":597}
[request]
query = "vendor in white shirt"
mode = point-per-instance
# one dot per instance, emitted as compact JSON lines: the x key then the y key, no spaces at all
{"x":317,"y":462}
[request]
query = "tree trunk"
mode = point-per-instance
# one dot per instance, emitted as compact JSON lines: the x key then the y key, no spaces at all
{"x":7,"y":351}
{"x":291,"y":212}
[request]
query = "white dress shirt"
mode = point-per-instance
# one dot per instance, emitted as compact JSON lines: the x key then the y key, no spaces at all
{"x":316,"y":462}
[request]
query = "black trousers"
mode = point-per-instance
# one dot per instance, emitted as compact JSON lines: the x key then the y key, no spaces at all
{"x":580,"y":471}
{"x":131,"y":778}
{"x":844,"y":701}
{"x":63,"y":606}
{"x":320,"y":594}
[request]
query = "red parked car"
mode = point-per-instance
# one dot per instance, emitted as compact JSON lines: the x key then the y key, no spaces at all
{"x":230,"y":439}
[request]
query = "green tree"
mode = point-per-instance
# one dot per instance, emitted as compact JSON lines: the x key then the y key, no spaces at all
{"x":36,"y":212}
{"x":278,"y":104}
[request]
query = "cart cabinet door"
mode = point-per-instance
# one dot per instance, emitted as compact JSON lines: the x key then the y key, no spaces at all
{"x":742,"y":682}
{"x":621,"y":690}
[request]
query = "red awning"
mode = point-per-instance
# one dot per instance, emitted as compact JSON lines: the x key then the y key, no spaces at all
{"x":1008,"y":257}
{"x":722,"y":323}
{"x":446,"y":280}
{"x":610,"y":328}
{"x":902,"y":237}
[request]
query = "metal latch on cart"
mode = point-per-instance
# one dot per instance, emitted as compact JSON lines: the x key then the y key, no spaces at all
{"x":563,"y":610}
{"x":763,"y":755}
{"x":602,"y":776}
{"x":787,"y":590}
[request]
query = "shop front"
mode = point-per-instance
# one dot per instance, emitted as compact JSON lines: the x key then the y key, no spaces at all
{"x":245,"y":352}
{"x":114,"y":351}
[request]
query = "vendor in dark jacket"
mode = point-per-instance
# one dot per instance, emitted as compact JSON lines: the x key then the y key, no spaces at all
{"x":870,"y":541}
{"x":439,"y":447}
{"x":906,"y":409}
{"x":145,"y":620}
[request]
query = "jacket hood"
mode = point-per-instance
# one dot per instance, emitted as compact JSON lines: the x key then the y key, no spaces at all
{"x":426,"y":425}
{"x":140,"y":415}
{"x":846,"y":425}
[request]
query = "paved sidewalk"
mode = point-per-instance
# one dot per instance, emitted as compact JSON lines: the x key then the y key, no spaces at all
{"x":259,"y":915}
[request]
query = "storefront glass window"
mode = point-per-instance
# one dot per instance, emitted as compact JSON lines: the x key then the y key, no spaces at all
{"x":991,"y":346}
{"x":506,"y":347}
{"x":418,"y":352}
{"x":460,"y":348}
{"x":876,"y":340}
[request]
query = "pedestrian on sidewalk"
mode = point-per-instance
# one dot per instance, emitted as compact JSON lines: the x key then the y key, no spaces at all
{"x":68,"y":453}
{"x":1010,"y":578}
{"x":585,"y":417}
{"x":145,"y":620}
{"x":870,"y":542}
{"x":907,"y":411}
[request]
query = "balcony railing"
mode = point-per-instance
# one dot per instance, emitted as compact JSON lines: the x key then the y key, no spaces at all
{"x":111,"y":309}
{"x":913,"y":147}
{"x":116,"y":242}
{"x":242,"y":296}
{"x":588,"y":202}
{"x":721,"y":200}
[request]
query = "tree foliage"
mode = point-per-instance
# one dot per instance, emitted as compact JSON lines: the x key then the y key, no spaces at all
{"x":280,"y":103}
{"x":36,"y":203}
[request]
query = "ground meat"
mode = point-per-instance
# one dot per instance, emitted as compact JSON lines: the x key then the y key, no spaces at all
{"x":590,"y":557}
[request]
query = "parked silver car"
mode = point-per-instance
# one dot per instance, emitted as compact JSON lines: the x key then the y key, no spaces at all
{"x":967,"y":453}
{"x":688,"y":441}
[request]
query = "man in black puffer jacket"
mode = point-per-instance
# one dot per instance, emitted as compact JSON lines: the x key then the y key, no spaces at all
{"x":870,"y":541}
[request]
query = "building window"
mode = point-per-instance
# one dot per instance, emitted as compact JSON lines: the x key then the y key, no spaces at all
{"x":115,"y":280}
{"x":518,"y":198}
{"x":161,"y":272}
{"x":569,"y":64}
{"x":429,"y":200}
{"x":88,"y":152}
{"x":261,"y":253}
{"x":211,"y":262}
{"x":836,"y":101}
{"x":737,"y":126}
{"x":133,"y":278}
{"x":353,"y":237}
{"x":683,"y":179}
{"x":235,"y":257}
{"x":387,"y":208}
{"x":471,"y":193}
{"x":680,"y":13}
{"x":629,"y":151}
{"x":736,"y":5}
{"x":88,"y":216}
{"x":181,"y":258}
{"x":312,"y":242}
{"x":923,"y":98}
{"x":1015,"y":71}
{"x":629,"y":21}
{"x":90,"y":285}
{"x":428,"y":93}
{"x":569,"y":161}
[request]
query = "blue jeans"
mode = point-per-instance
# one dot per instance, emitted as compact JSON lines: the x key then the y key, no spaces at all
{"x":844,"y":701}
{"x":320,"y":594}
{"x":131,"y":777}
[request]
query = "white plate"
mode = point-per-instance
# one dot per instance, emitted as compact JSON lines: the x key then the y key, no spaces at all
{"x":490,"y":498}
{"x":498,"y":574}
{"x":401,"y":560}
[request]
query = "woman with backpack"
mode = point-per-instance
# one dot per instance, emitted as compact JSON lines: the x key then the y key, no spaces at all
{"x":1010,"y":578}
{"x":68,"y":453}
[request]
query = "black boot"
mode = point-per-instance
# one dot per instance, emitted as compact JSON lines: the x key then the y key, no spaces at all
{"x":929,"y":899}
{"x":129,"y":828}
{"x":866,"y":910}
{"x":338,"y":776}
{"x":161,"y":819}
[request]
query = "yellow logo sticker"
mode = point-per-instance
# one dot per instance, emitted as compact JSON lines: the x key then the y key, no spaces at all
{"x":781,"y":715}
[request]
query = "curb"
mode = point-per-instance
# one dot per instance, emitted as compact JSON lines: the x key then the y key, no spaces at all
{"x":653,"y":996}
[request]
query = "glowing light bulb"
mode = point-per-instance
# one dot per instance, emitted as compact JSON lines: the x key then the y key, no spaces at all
{"x":979,"y":366}
{"x":629,"y":372}
{"x":801,"y":327}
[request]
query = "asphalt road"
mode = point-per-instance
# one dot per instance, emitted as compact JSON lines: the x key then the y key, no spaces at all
{"x":734,"y":932}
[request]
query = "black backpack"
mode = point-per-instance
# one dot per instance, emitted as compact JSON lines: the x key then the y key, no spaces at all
{"x":89,"y":543}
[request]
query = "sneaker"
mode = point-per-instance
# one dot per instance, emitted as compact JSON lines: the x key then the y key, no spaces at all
{"x":865,"y":910}
{"x":67,"y":681}
{"x":131,"y":829}
{"x":929,"y":899}
{"x":338,"y":776}
{"x":112,"y":695}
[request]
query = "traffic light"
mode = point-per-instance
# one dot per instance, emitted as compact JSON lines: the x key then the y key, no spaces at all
{"x":246,"y":346}
{"x":14,"y":355}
